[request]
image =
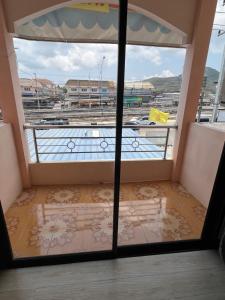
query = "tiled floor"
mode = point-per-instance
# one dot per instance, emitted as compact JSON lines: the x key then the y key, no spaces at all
{"x":66,"y":219}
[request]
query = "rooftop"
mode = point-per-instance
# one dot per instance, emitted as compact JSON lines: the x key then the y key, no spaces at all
{"x":84,"y":144}
{"x":88,"y":83}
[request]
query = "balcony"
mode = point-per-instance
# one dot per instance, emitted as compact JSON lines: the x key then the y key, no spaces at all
{"x":61,"y":189}
{"x":48,"y":220}
{"x":88,"y":143}
{"x":77,"y":216}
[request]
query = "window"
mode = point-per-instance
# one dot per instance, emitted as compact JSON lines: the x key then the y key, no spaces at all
{"x":104,"y":90}
{"x":73,"y":89}
{"x":94,"y":90}
{"x":26,"y":89}
{"x":83,"y":90}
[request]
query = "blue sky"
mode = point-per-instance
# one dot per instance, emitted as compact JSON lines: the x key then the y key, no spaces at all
{"x":60,"y":61}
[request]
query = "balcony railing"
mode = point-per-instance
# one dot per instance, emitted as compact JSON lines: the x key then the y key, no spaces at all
{"x":97,"y":142}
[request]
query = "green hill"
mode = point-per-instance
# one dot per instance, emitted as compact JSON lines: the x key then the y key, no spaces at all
{"x":173,"y":84}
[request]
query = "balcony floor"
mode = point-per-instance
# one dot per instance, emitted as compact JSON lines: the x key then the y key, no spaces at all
{"x":78,"y":218}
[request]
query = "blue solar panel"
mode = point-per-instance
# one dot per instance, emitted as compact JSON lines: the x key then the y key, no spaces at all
{"x":89,"y":144}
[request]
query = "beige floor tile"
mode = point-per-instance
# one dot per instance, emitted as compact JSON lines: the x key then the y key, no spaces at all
{"x":78,"y":218}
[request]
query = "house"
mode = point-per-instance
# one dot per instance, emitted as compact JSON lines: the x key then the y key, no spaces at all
{"x":78,"y":210}
{"x":30,"y":87}
{"x":138,"y":86}
{"x":36,"y":87}
{"x":84,"y":88}
{"x":90,"y":92}
{"x":37,"y":93}
{"x":48,"y":88}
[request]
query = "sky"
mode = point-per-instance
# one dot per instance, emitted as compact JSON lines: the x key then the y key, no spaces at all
{"x":62,"y":61}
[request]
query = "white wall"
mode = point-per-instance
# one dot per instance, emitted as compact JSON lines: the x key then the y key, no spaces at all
{"x":10,"y":180}
{"x":201,"y":160}
{"x":99,"y":172}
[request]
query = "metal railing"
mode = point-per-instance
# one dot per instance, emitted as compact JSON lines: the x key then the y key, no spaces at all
{"x":47,"y":140}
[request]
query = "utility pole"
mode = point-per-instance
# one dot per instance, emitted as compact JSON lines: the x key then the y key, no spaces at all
{"x":38,"y":100}
{"x":201,"y":98}
{"x":220,"y":91}
{"x":89,"y":81}
{"x":100,"y":85}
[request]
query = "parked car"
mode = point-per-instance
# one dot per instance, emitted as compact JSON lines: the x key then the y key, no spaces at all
{"x":132,"y":123}
{"x":145,"y":121}
{"x":53,"y":121}
{"x":203,"y":120}
{"x":140,"y":121}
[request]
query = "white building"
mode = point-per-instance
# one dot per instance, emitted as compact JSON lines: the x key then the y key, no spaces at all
{"x":89,"y":88}
{"x":36,"y":87}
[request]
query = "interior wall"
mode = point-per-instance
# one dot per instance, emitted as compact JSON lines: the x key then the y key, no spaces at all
{"x":201,"y":160}
{"x":10,"y":96}
{"x":10,"y":179}
{"x":99,"y":172}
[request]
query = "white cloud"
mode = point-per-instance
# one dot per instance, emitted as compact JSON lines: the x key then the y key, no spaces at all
{"x":218,"y":42}
{"x":220,"y":17}
{"x":176,"y":51}
{"x":63,"y":57}
{"x":164,"y":73}
{"x":59,"y":61}
{"x":151,"y":54}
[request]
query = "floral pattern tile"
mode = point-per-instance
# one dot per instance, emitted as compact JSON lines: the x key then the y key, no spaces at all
{"x":55,"y":231}
{"x":103,"y":194}
{"x":147,"y":191}
{"x":66,"y":219}
{"x":171,"y":226}
{"x":63,"y":195}
{"x":103,"y":230}
{"x":178,"y":188}
{"x":199,"y":211}
{"x":26,"y":198}
{"x":12,"y":224}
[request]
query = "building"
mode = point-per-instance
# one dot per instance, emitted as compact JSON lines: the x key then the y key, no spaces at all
{"x":80,"y":90}
{"x":48,"y":88}
{"x":90,"y":92}
{"x":37,"y":87}
{"x":30,"y":87}
{"x":38,"y":93}
{"x":89,"y":88}
{"x":137,"y":92}
{"x":138,"y":87}
{"x":73,"y":211}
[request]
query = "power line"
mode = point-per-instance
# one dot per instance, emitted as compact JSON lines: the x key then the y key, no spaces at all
{"x":218,"y":24}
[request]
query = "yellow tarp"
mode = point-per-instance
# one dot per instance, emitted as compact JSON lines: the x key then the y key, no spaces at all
{"x":100,"y":7}
{"x":158,"y":116}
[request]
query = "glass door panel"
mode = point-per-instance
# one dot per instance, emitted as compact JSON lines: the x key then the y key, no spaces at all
{"x":152,"y":208}
{"x":69,"y":99}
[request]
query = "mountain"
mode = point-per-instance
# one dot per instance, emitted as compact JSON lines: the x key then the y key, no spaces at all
{"x":166,"y":84}
{"x":212,"y":78}
{"x":173,"y":84}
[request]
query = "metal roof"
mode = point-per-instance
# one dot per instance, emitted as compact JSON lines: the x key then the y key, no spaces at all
{"x":86,"y":144}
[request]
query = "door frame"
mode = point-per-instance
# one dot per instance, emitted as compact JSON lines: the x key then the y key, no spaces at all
{"x":210,"y":233}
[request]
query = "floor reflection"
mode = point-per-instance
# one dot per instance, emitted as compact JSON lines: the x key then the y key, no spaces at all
{"x":67,"y":219}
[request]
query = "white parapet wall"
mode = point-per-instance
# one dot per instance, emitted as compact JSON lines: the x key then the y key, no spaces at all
{"x":90,"y":172}
{"x":10,"y":179}
{"x":201,"y":159}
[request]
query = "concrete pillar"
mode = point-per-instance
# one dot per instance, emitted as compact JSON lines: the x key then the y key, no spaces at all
{"x":10,"y":97}
{"x":194,"y":67}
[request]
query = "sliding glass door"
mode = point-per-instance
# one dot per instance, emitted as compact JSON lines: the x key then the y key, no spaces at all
{"x":153,"y":209}
{"x":117,"y":147}
{"x":71,"y":210}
